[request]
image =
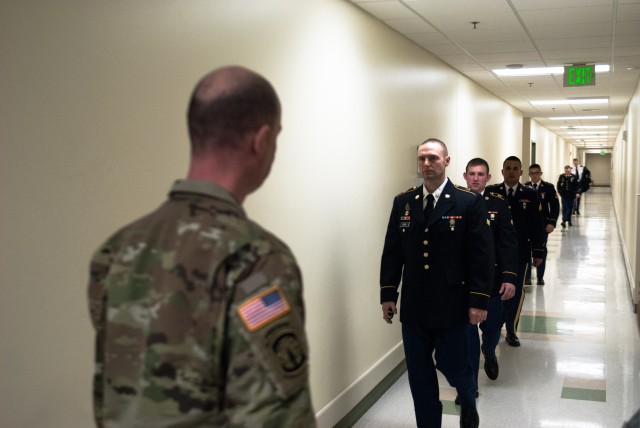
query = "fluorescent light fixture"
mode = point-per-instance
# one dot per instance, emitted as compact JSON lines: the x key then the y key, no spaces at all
{"x":575,"y":101}
{"x":585,"y":127}
{"x":578,"y":117}
{"x":541,"y":71}
{"x":584,"y":133}
{"x":590,"y":137}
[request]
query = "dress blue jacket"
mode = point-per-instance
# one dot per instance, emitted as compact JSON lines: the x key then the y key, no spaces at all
{"x":445,"y":262}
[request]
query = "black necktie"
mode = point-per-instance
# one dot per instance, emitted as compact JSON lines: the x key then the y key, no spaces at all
{"x":577,"y":174}
{"x":428,"y":209}
{"x":510,"y":195}
{"x":535,"y":186}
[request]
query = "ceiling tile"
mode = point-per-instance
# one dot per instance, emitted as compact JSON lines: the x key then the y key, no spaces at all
{"x":410,"y":25}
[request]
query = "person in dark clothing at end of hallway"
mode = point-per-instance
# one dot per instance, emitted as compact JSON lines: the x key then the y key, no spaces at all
{"x":526,"y":211}
{"x":438,"y":244}
{"x":583,"y":175}
{"x":569,"y":189}
{"x":550,"y":210}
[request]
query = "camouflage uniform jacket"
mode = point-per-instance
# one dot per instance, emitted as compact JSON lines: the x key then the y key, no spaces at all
{"x":199,"y":320}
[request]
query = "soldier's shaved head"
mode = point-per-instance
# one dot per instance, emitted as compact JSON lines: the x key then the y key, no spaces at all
{"x":227,"y":103}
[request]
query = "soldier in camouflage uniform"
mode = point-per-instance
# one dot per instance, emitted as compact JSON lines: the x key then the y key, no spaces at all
{"x":198,"y":311}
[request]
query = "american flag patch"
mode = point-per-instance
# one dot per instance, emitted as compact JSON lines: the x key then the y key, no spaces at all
{"x":263,"y":308}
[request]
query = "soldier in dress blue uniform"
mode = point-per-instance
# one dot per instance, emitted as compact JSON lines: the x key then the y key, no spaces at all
{"x":526,"y":211}
{"x":506,"y":249}
{"x":439,"y":245}
{"x":550,"y":210}
{"x":583,"y":175}
{"x":569,"y":189}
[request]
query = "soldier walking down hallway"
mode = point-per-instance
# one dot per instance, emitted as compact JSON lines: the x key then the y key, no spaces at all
{"x":528,"y":220}
{"x":439,"y":246}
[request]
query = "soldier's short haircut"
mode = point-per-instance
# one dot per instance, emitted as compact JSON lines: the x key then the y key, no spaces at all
{"x":513,"y":158}
{"x":477,"y":162}
{"x":222,"y":119}
{"x":435,"y":140}
{"x":535,"y":165}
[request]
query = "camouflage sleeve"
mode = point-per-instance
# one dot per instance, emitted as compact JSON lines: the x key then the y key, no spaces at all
{"x":98,"y":270}
{"x":266,"y":346}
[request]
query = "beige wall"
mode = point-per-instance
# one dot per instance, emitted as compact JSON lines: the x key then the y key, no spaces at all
{"x":92,"y":104}
{"x":552,"y":152}
{"x":625,"y":188}
{"x":599,"y":167}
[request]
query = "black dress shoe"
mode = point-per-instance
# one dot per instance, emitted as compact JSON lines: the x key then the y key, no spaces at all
{"x":527,"y":282}
{"x":541,"y":281}
{"x":512,"y":340}
{"x":491,"y":368}
{"x":457,"y":400}
{"x":469,"y":417}
{"x":577,"y":212}
{"x":570,"y":223}
{"x":563,"y":225}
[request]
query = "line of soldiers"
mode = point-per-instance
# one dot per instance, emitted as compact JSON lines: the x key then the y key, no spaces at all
{"x":438,"y":249}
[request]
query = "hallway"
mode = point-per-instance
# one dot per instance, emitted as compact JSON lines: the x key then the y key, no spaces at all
{"x":579,"y":363}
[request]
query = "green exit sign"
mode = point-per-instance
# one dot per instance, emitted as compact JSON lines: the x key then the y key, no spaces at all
{"x":579,"y":75}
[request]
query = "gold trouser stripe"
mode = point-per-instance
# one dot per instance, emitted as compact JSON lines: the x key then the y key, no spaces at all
{"x":517,"y":317}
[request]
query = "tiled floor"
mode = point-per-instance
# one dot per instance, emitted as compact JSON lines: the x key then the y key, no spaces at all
{"x":579,"y":363}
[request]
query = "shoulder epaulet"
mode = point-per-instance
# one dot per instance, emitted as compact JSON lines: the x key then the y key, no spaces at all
{"x":406,"y":191}
{"x":497,"y":195}
{"x":464,"y":189}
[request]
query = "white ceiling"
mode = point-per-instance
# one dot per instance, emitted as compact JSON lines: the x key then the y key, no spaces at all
{"x":534,"y":33}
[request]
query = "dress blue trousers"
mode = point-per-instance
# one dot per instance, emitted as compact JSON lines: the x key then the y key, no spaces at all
{"x":567,"y":207}
{"x":542,"y":266}
{"x":451,"y":358}
{"x":491,"y":328}
{"x":513,"y":306}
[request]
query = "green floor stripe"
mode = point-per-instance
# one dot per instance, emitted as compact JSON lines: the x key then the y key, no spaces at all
{"x":546,"y":325}
{"x":450,"y":408}
{"x":584,"y":394}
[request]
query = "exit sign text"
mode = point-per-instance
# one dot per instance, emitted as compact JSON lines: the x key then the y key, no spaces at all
{"x":579,"y":75}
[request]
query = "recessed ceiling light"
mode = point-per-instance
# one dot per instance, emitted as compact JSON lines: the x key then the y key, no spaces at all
{"x":540,"y":71}
{"x":578,"y":117}
{"x":574,"y":101}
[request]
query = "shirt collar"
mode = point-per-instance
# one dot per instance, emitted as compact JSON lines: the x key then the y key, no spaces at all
{"x":515,"y":188}
{"x":438,"y":191}
{"x":205,"y":188}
